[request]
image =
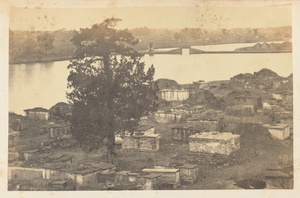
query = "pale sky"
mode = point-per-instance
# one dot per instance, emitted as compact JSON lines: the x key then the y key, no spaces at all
{"x":152,"y":17}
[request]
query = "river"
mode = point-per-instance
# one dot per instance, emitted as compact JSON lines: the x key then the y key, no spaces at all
{"x":44,"y":84}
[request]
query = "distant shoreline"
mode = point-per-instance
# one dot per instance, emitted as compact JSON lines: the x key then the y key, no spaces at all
{"x":38,"y":60}
{"x":65,"y":58}
{"x":223,"y":52}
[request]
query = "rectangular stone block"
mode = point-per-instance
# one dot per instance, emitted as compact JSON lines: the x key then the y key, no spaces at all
{"x":214,"y":142}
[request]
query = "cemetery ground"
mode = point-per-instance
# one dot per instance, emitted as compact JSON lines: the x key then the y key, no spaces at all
{"x":258,"y":151}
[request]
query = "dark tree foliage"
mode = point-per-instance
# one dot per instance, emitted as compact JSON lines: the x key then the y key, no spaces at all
{"x":45,"y":41}
{"x":109,"y":88}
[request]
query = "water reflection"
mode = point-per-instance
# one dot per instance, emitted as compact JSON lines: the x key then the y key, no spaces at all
{"x":44,"y":84}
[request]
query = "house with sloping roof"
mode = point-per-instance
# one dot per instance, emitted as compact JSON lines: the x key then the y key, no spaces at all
{"x":38,"y":113}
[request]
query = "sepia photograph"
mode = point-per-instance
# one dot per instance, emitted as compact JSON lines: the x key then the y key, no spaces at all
{"x":150,"y":98}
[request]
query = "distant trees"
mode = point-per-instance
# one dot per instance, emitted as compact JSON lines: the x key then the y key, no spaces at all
{"x":45,"y":41}
{"x":29,"y":43}
{"x":109,"y":88}
{"x":189,"y":35}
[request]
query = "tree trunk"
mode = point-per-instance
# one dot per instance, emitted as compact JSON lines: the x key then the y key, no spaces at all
{"x":111,"y":147}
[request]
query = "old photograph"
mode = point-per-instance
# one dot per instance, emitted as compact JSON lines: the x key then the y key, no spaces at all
{"x":150,"y":98}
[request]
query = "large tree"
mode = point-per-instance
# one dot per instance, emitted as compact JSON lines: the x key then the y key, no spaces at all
{"x":109,"y":88}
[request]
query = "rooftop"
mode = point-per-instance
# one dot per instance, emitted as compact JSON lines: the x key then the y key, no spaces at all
{"x":160,"y":170}
{"x":183,"y":90}
{"x":148,"y":135}
{"x":187,"y":166}
{"x":37,"y":109}
{"x":277,"y":126}
{"x":144,"y":127}
{"x":214,"y":135}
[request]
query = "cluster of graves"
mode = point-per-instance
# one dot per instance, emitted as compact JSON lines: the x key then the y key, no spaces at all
{"x":204,"y":129}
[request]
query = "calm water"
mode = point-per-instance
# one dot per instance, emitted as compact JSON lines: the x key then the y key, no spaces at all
{"x":44,"y":84}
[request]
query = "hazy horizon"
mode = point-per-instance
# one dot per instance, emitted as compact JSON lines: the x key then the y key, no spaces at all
{"x":51,"y":19}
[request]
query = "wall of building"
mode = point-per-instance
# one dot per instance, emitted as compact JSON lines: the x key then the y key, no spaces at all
{"x":241,"y":110}
{"x":189,"y":175}
{"x":167,"y":117}
{"x":209,"y":125}
{"x":142,"y":143}
{"x":38,"y":115}
{"x":174,"y":95}
{"x":21,"y":173}
{"x":214,"y":146}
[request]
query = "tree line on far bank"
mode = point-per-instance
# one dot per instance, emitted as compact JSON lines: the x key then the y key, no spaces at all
{"x":30,"y":43}
{"x":35,"y":45}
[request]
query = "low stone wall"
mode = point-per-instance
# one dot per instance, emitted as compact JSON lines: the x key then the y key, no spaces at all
{"x":214,"y":142}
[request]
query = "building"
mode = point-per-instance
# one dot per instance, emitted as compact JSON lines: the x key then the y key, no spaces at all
{"x":207,"y":124}
{"x":174,"y":94}
{"x":148,"y":142}
{"x":13,"y":138}
{"x":248,"y":100}
{"x":168,"y":117}
{"x":214,"y":143}
{"x":241,"y":110}
{"x":17,"y":122}
{"x":144,"y":129}
{"x":186,"y":109}
{"x":55,"y":130}
{"x":38,"y":113}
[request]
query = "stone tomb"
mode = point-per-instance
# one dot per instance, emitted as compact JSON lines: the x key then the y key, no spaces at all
{"x":168,"y":176}
{"x":214,"y":143}
{"x":279,"y":131}
{"x":210,"y":125}
{"x":149,"y":181}
{"x":148,"y":142}
{"x":188,"y":172}
{"x":142,"y":181}
{"x":168,"y":117}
